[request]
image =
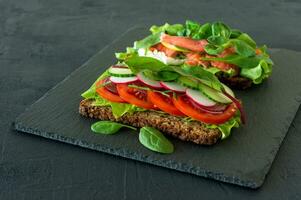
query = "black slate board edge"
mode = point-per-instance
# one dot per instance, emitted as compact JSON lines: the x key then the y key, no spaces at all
{"x":186,"y":168}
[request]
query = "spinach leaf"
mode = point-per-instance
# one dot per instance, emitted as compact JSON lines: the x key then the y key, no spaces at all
{"x":214,"y":49}
{"x":139,"y":63}
{"x":167,"y":28}
{"x":243,"y":48}
{"x":241,"y":61}
{"x":235,"y":33}
{"x":200,"y":74}
{"x":154,"y":140}
{"x":220,"y":29}
{"x":246,"y":38}
{"x":108,"y":127}
{"x":148,"y":41}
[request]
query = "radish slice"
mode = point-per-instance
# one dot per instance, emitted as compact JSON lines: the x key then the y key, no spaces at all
{"x":173,"y":86}
{"x":123,"y":79}
{"x":199,"y":98}
{"x":238,"y":105}
{"x":217,"y":109}
{"x":148,"y":82}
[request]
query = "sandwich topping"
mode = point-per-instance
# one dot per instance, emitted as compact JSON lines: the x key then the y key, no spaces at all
{"x":176,"y":71}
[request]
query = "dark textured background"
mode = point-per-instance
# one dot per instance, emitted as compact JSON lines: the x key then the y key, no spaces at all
{"x":42,"y":41}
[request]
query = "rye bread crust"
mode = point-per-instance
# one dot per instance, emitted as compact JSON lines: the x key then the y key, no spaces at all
{"x":175,"y":126}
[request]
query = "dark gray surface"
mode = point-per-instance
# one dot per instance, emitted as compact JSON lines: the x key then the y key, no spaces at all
{"x":41,"y":42}
{"x":252,"y":147}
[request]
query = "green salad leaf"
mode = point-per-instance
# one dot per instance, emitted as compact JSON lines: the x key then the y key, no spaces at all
{"x":167,"y":28}
{"x":118,"y":109}
{"x":130,"y":51}
{"x":148,"y":41}
{"x":154,"y":140}
{"x":226,"y":127}
{"x":108,"y":127}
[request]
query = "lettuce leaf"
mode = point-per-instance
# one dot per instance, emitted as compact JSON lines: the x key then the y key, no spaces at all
{"x":167,"y":28}
{"x":226,"y":127}
{"x":118,"y":109}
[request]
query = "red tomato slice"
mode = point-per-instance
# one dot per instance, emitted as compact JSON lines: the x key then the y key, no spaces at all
{"x":183,"y":104}
{"x":134,"y":96}
{"x":107,"y":94}
{"x":164,"y":103}
{"x":185,"y":42}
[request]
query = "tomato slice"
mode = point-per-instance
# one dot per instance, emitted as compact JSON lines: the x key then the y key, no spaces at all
{"x":185,"y":42}
{"x":134,"y":96}
{"x":106,"y":93}
{"x":182,"y":103}
{"x":164,"y":103}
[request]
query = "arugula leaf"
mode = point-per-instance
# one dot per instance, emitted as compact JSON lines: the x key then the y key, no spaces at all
{"x":154,"y":140}
{"x":167,"y":28}
{"x":108,"y":127}
{"x":148,"y":41}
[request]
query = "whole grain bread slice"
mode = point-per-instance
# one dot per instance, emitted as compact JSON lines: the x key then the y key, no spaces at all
{"x":193,"y":131}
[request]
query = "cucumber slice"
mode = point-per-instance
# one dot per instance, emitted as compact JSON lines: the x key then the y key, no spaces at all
{"x":214,"y":94}
{"x":188,"y":82}
{"x":200,"y":98}
{"x":120,"y":72}
{"x":123,"y":79}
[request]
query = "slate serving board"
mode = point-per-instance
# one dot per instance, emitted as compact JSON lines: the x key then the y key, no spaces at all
{"x":243,"y":159}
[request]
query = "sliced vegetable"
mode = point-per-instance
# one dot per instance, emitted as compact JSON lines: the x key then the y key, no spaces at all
{"x":148,"y":81}
{"x":123,"y":79}
{"x":134,"y":96}
{"x":173,"y":47}
{"x":184,"y":42}
{"x":200,"y":98}
{"x":120,"y":71}
{"x":164,"y":102}
{"x":174,"y":86}
{"x":184,"y":105}
{"x":106,"y":94}
{"x":214,"y":94}
{"x":188,"y":82}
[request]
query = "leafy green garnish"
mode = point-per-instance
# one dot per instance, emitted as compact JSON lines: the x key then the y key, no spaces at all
{"x":226,"y":127}
{"x":108,"y":127}
{"x":154,"y":140}
{"x":167,"y":28}
{"x":148,"y":41}
{"x":140,"y":63}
